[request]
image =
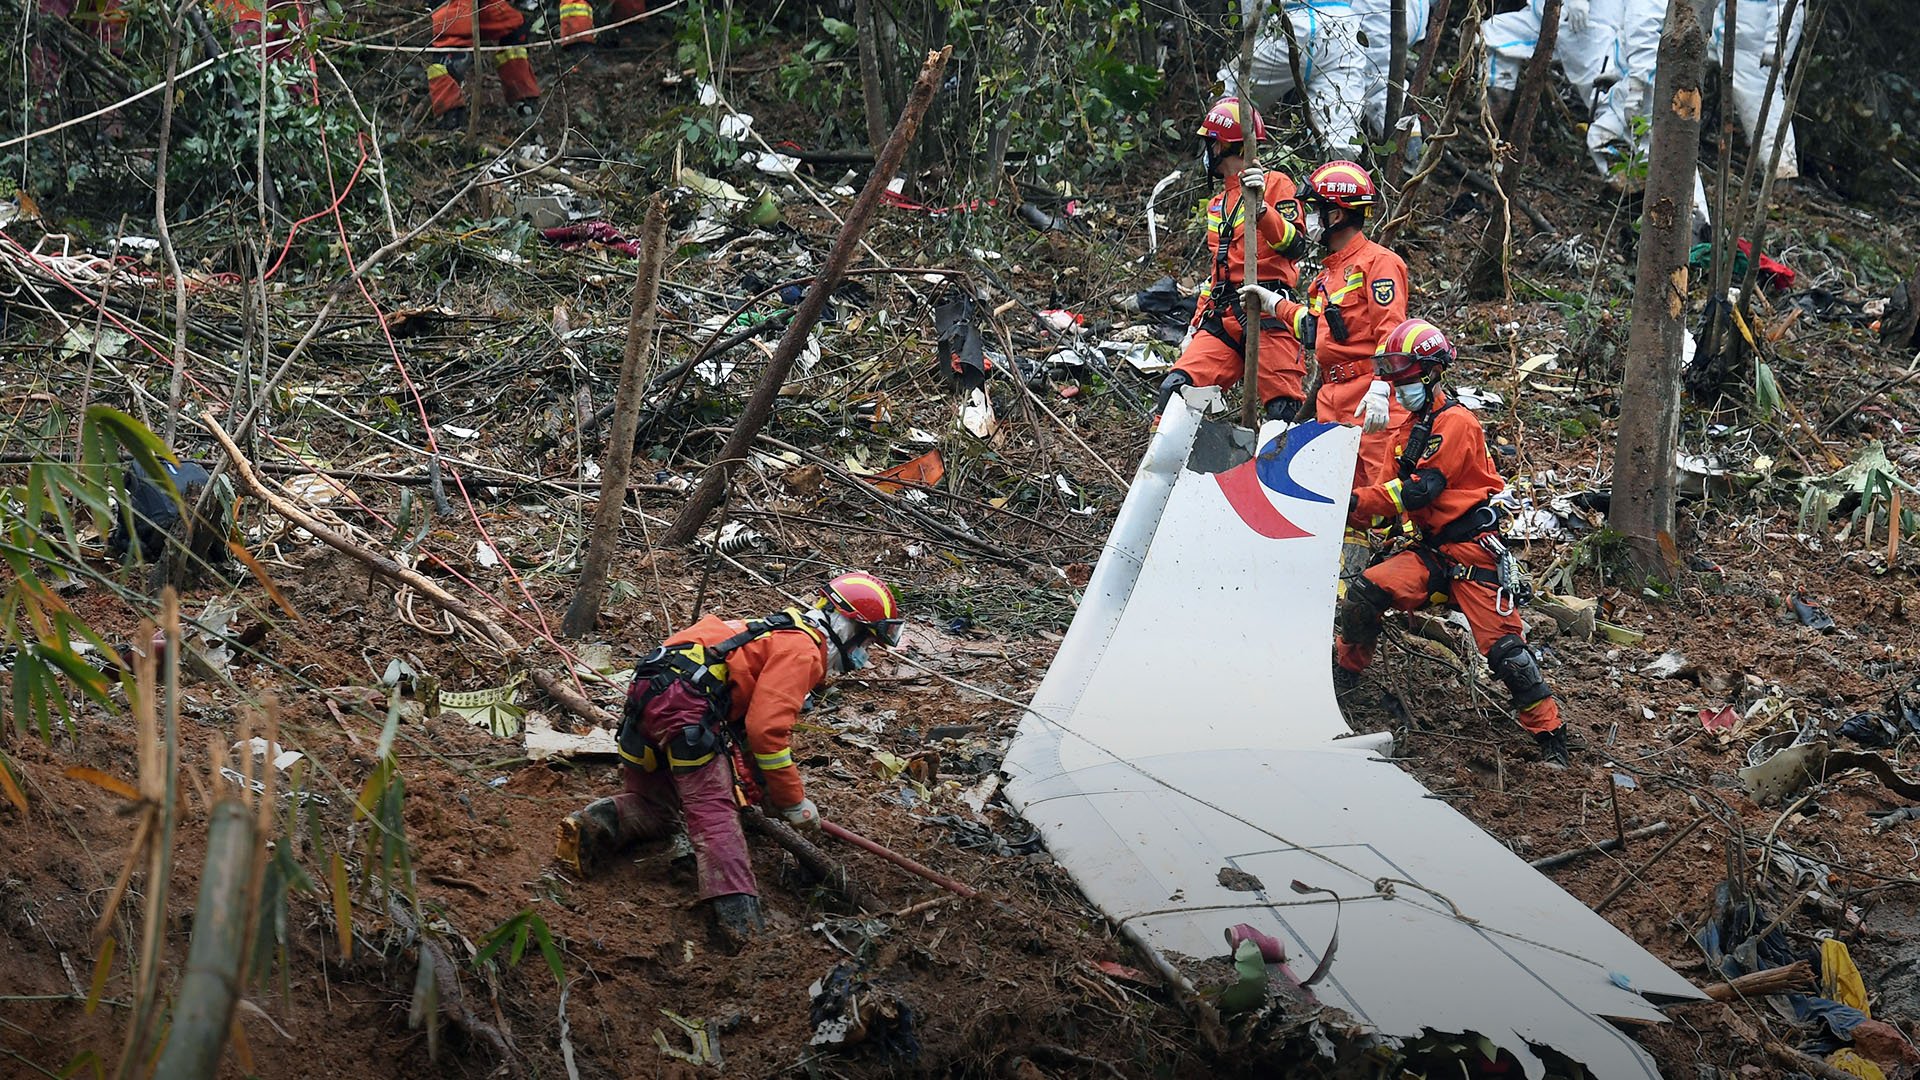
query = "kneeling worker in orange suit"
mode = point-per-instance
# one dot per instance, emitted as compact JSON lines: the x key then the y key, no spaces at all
{"x":711,"y":711}
{"x":1443,"y":481}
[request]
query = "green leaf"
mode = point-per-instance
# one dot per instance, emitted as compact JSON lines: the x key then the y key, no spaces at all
{"x":494,"y":708}
{"x":1766,"y":391}
{"x":544,"y":938}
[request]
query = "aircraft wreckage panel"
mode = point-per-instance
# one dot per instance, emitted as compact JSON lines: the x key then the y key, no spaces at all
{"x":1188,"y":725}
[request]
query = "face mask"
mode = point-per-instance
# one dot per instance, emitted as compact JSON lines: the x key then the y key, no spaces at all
{"x":1313,"y":225}
{"x":857,"y":658}
{"x":1209,"y":164}
{"x":1413,"y":395}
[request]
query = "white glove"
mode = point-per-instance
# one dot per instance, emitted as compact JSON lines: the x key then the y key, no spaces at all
{"x":1268,"y":300}
{"x":1253,"y":181}
{"x":1374,"y":407}
{"x":1574,"y":15}
{"x":804,"y":816}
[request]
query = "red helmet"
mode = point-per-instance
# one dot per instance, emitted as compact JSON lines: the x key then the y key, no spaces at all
{"x":867,"y":601}
{"x":1223,"y":122}
{"x":1410,"y":350}
{"x":1342,"y":184}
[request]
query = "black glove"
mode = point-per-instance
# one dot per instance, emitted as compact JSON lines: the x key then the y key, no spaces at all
{"x":1420,"y":489}
{"x":1336,"y":324}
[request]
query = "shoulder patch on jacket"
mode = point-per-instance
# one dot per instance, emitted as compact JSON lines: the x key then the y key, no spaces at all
{"x":1383,"y":291}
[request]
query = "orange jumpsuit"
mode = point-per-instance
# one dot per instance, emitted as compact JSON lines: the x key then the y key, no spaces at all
{"x":1210,"y":358}
{"x":1367,"y":285}
{"x":500,"y":24}
{"x":576,"y":18}
{"x":770,"y":678}
{"x":1457,"y":452}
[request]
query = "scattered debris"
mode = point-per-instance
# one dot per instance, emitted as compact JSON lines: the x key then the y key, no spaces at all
{"x":848,"y":1010}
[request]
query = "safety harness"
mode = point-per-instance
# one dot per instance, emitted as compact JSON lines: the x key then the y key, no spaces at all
{"x":1210,"y":320}
{"x":1480,"y":524}
{"x":702,"y":669}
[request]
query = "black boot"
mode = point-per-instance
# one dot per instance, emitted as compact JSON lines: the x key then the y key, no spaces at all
{"x":1553,"y":747}
{"x":1344,"y":682}
{"x":736,"y":920}
{"x":454,"y":119}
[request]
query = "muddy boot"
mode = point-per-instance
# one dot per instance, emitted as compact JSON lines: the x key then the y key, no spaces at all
{"x":737,"y":920}
{"x":589,"y":836}
{"x":454,"y":119}
{"x":1553,"y":747}
{"x":1344,"y":682}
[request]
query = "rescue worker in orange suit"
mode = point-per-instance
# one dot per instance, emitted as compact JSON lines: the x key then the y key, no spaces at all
{"x":713,"y":710}
{"x":502,"y":23}
{"x":1214,"y":352}
{"x":1360,"y":294}
{"x":1442,"y":479}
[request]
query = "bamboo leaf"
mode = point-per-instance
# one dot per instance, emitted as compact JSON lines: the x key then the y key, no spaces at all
{"x":102,"y":967}
{"x":260,"y":574}
{"x":543,"y":937}
{"x":11,"y":787}
{"x":103,"y":781}
{"x":342,"y":908}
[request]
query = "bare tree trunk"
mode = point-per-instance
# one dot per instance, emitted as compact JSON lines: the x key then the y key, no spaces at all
{"x":1396,"y":84}
{"x":1436,"y":25}
{"x":177,"y":383}
{"x":1643,"y":488}
{"x":617,"y":461}
{"x":1250,"y":319}
{"x":222,"y":924}
{"x":1526,"y":97}
{"x":759,"y":407}
{"x":1757,"y":236}
{"x":871,"y":88}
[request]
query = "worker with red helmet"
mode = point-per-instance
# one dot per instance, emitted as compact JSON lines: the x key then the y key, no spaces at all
{"x":712,"y":709}
{"x":1360,"y":294}
{"x":1443,"y":479}
{"x":1215,"y":349}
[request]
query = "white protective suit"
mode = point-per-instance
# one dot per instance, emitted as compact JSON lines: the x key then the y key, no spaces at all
{"x":1333,"y":63}
{"x":1376,"y":25}
{"x":1611,"y":137}
{"x":1756,"y":51}
{"x":1584,"y":55}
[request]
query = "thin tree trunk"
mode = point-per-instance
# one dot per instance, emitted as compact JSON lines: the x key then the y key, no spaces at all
{"x":1299,"y":76}
{"x":1436,"y":25}
{"x":872,"y":90}
{"x":759,"y":407}
{"x":617,"y":460}
{"x":1720,"y":266}
{"x":1250,"y":318}
{"x":222,"y":924}
{"x":1533,"y":83}
{"x":1643,"y":484}
{"x":1757,"y":239}
{"x":177,"y":384}
{"x":1396,"y":83}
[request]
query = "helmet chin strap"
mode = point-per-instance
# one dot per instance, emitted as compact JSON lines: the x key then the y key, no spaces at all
{"x":837,"y":648}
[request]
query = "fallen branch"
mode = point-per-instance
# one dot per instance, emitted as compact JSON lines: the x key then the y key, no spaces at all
{"x":1632,"y":876}
{"x":1795,"y":976}
{"x":429,"y":589}
{"x":1610,"y":844}
{"x":831,"y":874}
{"x":1807,"y":1063}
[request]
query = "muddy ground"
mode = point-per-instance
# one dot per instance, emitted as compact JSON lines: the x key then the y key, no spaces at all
{"x":1010,"y":983}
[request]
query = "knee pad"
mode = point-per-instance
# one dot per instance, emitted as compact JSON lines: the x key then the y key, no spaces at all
{"x":1515,"y":665}
{"x":517,"y":36}
{"x":1170,"y":386}
{"x":1283,"y":408}
{"x":692,"y":747}
{"x":457,"y":63}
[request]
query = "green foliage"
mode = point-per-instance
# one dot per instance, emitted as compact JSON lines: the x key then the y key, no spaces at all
{"x":312,"y":148}
{"x":513,"y":935}
{"x":40,"y":532}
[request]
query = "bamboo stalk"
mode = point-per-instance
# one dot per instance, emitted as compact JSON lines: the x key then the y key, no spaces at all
{"x":222,"y":924}
{"x":1249,"y":215}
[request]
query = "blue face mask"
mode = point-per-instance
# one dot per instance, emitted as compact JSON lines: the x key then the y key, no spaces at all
{"x":1413,"y":396}
{"x":856,"y":658}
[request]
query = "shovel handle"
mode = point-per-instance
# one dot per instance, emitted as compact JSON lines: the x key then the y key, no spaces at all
{"x":839,"y":832}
